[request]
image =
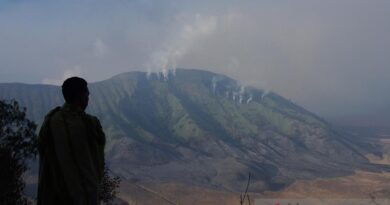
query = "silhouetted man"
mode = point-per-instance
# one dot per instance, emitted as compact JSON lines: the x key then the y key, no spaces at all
{"x":71,"y":148}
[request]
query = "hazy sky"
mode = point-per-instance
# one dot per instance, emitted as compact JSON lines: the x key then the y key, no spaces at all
{"x":330,"y":56}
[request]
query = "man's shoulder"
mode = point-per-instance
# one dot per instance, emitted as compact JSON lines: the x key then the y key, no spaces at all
{"x":58,"y":115}
{"x":91,"y":117}
{"x":94,"y":120}
{"x":53,"y":113}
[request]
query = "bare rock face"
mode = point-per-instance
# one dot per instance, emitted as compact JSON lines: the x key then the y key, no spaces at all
{"x":200,"y":128}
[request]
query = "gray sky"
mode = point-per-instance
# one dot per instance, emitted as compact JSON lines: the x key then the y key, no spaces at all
{"x":332,"y":57}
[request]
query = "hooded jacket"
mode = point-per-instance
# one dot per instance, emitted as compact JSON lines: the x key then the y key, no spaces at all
{"x":71,"y":157}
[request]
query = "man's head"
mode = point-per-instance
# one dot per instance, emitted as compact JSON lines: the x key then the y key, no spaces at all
{"x":75,"y":91}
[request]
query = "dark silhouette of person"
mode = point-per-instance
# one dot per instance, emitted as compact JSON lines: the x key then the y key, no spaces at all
{"x":71,"y":150}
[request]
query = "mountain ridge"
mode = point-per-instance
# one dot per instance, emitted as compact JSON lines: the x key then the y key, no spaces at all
{"x":202,"y":128}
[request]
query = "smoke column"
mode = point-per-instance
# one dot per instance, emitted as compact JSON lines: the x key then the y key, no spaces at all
{"x":166,"y":59}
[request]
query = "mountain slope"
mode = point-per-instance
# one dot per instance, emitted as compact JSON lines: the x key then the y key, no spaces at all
{"x":201,"y":128}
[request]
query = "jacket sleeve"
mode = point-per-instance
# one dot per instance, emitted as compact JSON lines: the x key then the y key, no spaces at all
{"x":74,"y":157}
{"x":101,"y":141}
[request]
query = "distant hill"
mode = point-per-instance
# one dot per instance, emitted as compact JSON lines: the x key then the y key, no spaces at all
{"x":200,"y":128}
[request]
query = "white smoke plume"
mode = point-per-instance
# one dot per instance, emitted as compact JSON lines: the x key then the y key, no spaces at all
{"x":99,"y":48}
{"x":249,"y":99}
{"x":265,"y":93}
{"x":234,"y":95}
{"x":167,"y":58}
{"x":76,"y":71}
{"x":242,"y":92}
{"x":214,"y":82}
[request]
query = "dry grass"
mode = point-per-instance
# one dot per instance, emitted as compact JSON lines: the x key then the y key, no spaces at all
{"x":359,"y":185}
{"x":177,"y":194}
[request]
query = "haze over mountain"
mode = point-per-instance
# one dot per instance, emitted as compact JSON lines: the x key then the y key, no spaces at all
{"x":312,"y":52}
{"x":201,"y":128}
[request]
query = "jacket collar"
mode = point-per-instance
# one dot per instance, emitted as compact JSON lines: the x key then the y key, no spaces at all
{"x":72,"y":108}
